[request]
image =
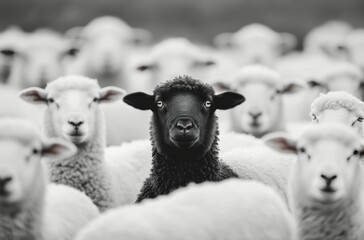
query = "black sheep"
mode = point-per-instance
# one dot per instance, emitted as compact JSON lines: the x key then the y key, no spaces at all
{"x":184,"y":134}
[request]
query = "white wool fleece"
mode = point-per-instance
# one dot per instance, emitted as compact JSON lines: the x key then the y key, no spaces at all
{"x":230,"y":210}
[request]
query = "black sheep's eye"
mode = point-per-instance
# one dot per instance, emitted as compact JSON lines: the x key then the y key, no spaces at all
{"x":160,"y":104}
{"x":208,"y":104}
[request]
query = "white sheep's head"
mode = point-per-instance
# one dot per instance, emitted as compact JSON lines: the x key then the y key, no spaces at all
{"x":256,"y":43}
{"x":175,"y":57}
{"x":339,"y":107}
{"x":262,"y":111}
{"x":105,"y":44}
{"x":351,"y":48}
{"x":40,"y":58}
{"x":73,"y":106}
{"x":328,"y":167}
{"x":21,"y":149}
{"x":340,"y":76}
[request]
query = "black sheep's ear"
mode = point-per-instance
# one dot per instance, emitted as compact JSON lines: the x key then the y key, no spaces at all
{"x":140,"y":100}
{"x":228,"y":100}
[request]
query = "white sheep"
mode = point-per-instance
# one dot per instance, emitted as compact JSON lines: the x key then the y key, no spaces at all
{"x":255,"y":43}
{"x":39,"y":59}
{"x":105,"y":46}
{"x":326,"y":183}
{"x":262,"y":112}
{"x":30,"y":208}
{"x":10,"y":41}
{"x":173,"y":57}
{"x":340,"y":76}
{"x":339,"y":107}
{"x":351,"y":48}
{"x":73,"y":113}
{"x":232,"y":209}
{"x":329,"y":34}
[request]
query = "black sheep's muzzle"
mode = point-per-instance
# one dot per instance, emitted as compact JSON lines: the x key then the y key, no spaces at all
{"x":184,"y":133}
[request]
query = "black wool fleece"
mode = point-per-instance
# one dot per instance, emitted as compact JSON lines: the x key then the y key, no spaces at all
{"x":173,"y":168}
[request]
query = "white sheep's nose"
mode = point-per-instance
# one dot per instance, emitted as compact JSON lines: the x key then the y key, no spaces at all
{"x":76,"y":120}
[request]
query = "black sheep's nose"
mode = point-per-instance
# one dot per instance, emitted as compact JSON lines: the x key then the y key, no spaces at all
{"x":255,"y":115}
{"x":3,"y":182}
{"x":328,"y":180}
{"x":184,"y":125}
{"x":76,"y":124}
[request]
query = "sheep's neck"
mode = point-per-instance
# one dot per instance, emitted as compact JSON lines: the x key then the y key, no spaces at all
{"x":336,"y":222}
{"x":86,"y":172}
{"x":172,"y":173}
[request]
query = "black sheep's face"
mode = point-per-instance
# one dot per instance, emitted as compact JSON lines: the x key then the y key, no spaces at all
{"x":184,"y":119}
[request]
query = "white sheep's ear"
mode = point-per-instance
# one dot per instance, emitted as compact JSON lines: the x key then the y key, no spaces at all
{"x":57,"y":148}
{"x":221,"y":86}
{"x":292,"y":87}
{"x":281,"y":142}
{"x":289,"y":42}
{"x":224,"y":40}
{"x":111,"y":94}
{"x":34,"y":95}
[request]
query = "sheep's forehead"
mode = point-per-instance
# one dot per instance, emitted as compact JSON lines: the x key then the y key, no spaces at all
{"x":256,"y":31}
{"x":183,"y":85}
{"x":82,"y":84}
{"x":338,"y":100}
{"x":330,"y":132}
{"x":341,"y":70}
{"x":178,"y":48}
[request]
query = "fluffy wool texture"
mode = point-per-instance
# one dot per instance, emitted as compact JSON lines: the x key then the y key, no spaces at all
{"x":47,"y":211}
{"x":230,"y":210}
{"x":339,"y":220}
{"x":262,"y":164}
{"x":171,"y":170}
{"x":337,"y":100}
{"x":110,"y":180}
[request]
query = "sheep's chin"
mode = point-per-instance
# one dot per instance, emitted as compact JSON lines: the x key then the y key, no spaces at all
{"x":326,"y":198}
{"x":184,"y":144}
{"x":76,"y":139}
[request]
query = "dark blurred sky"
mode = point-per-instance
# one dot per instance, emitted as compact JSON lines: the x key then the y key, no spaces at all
{"x":199,"y":20}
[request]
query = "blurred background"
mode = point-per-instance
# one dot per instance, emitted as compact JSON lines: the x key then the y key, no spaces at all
{"x":199,"y":20}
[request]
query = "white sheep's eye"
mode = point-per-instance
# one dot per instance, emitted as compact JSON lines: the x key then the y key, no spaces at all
{"x":50,"y":100}
{"x":360,"y":119}
{"x":208,"y":104}
{"x":160,"y":104}
{"x":302,"y":150}
{"x":356,"y":152}
{"x":95,"y":99}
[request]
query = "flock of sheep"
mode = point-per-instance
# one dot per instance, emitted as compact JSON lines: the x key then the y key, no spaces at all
{"x":143,"y":153}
